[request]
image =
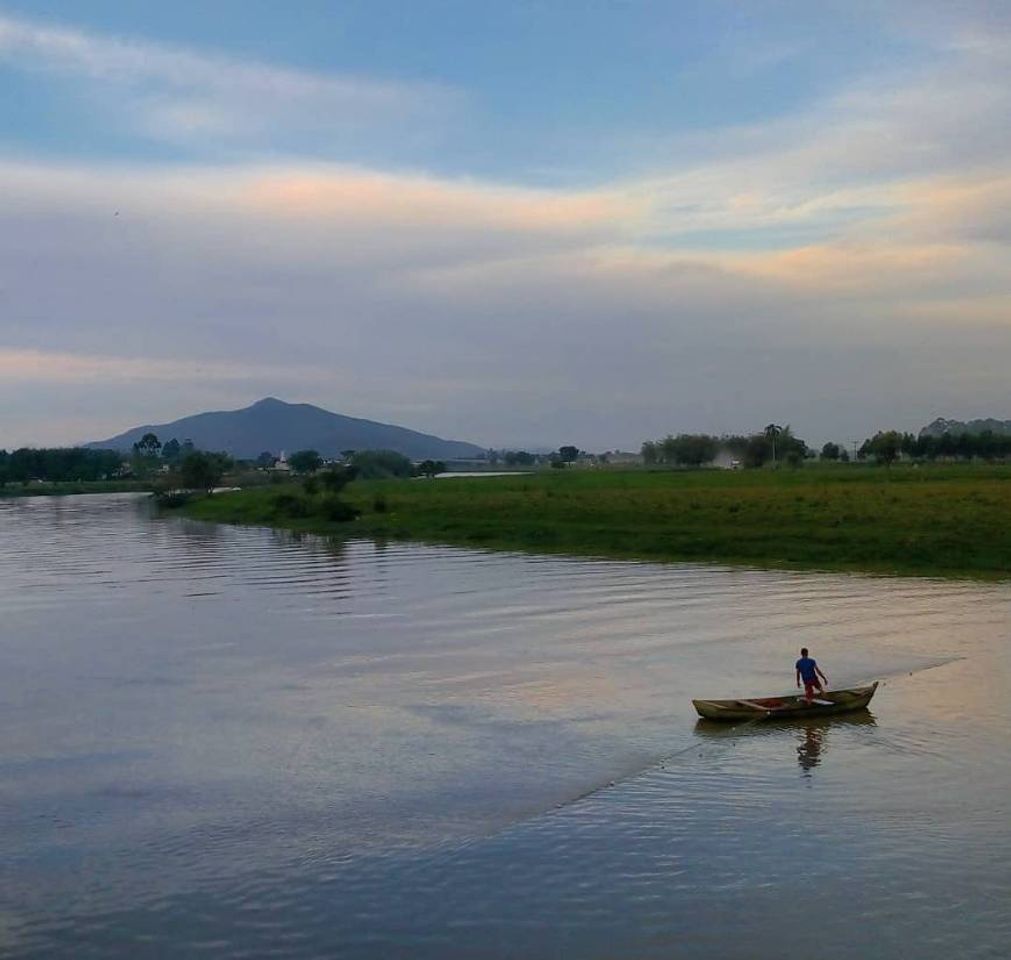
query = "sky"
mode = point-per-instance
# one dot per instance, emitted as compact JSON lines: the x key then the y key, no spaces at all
{"x":532,"y":223}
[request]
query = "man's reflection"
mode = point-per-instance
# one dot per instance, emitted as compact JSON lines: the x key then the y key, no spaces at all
{"x":810,"y":737}
{"x":812,"y":741}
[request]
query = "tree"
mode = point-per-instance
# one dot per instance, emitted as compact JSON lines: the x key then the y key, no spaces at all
{"x":376,"y":464}
{"x":305,"y":461}
{"x":337,"y":478}
{"x":429,"y":468}
{"x":668,"y":448}
{"x":831,"y":451}
{"x":650,"y":453}
{"x":148,"y":445}
{"x":772,"y":433}
{"x":693,"y":449}
{"x":756,"y":450}
{"x":884,"y":446}
{"x":171,"y":451}
{"x":201,"y":471}
{"x":568,"y":454}
{"x":266,"y":460}
{"x":518,"y":458}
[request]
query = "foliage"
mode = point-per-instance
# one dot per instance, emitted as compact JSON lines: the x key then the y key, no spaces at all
{"x":429,"y":468}
{"x":147,"y":446}
{"x":568,"y":454}
{"x":59,"y":464}
{"x":336,"y":510}
{"x":376,"y":464}
{"x":305,"y":461}
{"x":202,"y":471}
{"x":830,"y":451}
{"x":172,"y":451}
{"x":693,"y":450}
{"x":884,"y":447}
{"x":337,"y":478}
{"x":518,"y":458}
{"x":266,"y":460}
{"x":931,"y":520}
{"x":686,"y":450}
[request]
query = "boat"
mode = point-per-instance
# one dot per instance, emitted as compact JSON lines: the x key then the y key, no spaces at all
{"x":786,"y":708}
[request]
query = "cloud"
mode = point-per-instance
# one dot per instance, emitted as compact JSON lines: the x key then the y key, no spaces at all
{"x":842,"y":269}
{"x":182,"y":95}
{"x":43,"y":366}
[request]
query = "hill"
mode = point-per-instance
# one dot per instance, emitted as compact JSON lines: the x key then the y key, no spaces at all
{"x":940,"y":426}
{"x":273,"y":425}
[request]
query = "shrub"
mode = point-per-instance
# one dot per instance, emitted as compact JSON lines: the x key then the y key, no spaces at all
{"x":337,"y":510}
{"x":290,"y":505}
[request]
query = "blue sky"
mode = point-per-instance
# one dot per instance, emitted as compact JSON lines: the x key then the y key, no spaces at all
{"x":466,"y":217}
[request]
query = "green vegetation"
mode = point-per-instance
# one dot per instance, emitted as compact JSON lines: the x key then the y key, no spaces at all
{"x":775,"y":444}
{"x":949,"y":520}
{"x":46,"y":488}
{"x":58,"y":465}
{"x":377,"y":464}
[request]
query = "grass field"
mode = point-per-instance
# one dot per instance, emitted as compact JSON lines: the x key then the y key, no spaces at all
{"x":932,"y":520}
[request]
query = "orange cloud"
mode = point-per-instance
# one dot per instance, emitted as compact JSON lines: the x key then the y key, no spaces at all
{"x":425,"y":202}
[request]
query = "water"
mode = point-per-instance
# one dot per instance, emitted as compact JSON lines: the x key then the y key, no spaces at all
{"x":238,"y":743}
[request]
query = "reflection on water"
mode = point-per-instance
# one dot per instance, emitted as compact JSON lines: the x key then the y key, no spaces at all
{"x":812,"y":740}
{"x":809,"y":736}
{"x":241,"y":742}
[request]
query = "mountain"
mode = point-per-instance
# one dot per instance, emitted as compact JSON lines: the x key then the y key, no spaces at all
{"x":273,"y":425}
{"x":941,"y":426}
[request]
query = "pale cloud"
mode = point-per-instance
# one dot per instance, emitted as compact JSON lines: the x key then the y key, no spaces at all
{"x":414,"y":201}
{"x":180,"y":94}
{"x":863,"y":241}
{"x":43,"y":366}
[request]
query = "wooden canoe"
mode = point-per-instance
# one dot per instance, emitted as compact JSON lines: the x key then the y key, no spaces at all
{"x":767,"y":708}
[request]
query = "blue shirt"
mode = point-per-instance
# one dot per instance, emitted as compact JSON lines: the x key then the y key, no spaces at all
{"x":806,"y":667}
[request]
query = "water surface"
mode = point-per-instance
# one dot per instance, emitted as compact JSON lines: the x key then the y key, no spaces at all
{"x":242,"y":743}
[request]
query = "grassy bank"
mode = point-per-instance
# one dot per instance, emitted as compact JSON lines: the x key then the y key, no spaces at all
{"x":933,"y":520}
{"x":69,"y":487}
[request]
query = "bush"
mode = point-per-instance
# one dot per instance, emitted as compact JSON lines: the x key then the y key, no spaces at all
{"x":337,"y":510}
{"x":378,"y":464}
{"x":289,"y":505}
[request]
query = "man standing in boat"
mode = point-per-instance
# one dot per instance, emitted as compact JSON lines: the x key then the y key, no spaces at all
{"x":809,"y":671}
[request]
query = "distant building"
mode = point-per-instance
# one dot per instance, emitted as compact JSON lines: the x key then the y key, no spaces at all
{"x":282,"y":463}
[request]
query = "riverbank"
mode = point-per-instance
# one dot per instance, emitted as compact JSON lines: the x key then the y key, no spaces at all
{"x":72,"y":487}
{"x":930,"y":521}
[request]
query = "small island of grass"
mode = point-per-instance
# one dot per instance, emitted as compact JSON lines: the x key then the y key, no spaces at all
{"x":938,"y":520}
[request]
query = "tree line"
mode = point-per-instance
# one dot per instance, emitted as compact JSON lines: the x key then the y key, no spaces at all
{"x":887,"y":445}
{"x":775,"y":444}
{"x":59,"y":465}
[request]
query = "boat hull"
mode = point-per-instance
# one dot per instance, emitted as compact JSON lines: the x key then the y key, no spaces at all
{"x":785,"y":708}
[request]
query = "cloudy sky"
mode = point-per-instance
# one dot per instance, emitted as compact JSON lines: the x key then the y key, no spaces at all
{"x":532,"y":222}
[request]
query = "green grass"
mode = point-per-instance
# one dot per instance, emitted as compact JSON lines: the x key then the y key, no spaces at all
{"x":65,"y":488}
{"x":933,"y":520}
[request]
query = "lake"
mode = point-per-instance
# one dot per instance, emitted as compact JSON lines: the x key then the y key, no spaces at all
{"x":234,"y":742}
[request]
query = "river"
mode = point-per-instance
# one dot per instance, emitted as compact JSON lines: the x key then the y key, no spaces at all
{"x":232,"y":742}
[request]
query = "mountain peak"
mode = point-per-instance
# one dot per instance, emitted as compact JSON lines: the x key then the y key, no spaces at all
{"x":272,"y":425}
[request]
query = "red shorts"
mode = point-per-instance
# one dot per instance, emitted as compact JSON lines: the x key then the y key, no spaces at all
{"x":809,"y":688}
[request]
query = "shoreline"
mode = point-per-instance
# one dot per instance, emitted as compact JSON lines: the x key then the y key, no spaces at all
{"x":944,"y":522}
